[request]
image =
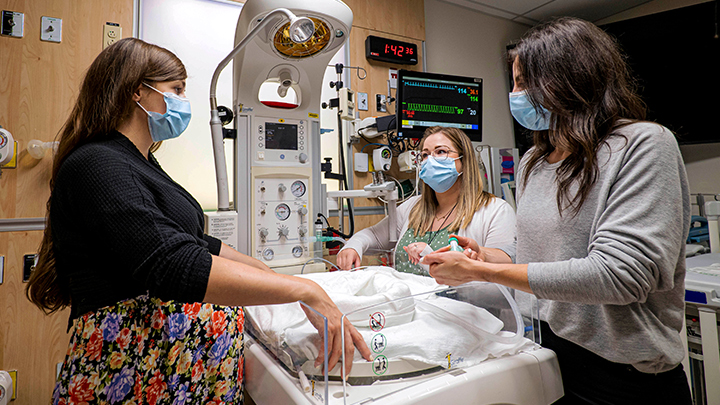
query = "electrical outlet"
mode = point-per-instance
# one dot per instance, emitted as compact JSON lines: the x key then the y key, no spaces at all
{"x":112,"y":32}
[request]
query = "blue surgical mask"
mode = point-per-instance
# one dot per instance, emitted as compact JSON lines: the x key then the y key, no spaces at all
{"x":526,"y":114}
{"x":439,"y":175}
{"x":175,"y":120}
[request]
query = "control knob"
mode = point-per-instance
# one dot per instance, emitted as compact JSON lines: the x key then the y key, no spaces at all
{"x":302,"y":211}
{"x":282,"y":188}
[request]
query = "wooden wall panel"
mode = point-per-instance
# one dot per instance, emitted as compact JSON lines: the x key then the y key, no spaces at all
{"x":30,"y":342}
{"x":402,"y":20}
{"x":405,"y":18}
{"x":39,"y":82}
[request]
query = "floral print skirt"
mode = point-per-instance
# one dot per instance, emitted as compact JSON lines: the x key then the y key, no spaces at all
{"x":147,"y":351}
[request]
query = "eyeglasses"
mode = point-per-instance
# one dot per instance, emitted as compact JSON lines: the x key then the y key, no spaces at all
{"x":439,"y":154}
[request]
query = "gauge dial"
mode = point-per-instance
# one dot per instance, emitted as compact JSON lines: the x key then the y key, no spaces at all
{"x":282,"y":211}
{"x":297,"y":251}
{"x":268,"y":254}
{"x":298,"y":188}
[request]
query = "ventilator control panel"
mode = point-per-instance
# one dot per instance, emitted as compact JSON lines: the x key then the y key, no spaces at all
{"x":281,"y":218}
{"x":280,"y":140}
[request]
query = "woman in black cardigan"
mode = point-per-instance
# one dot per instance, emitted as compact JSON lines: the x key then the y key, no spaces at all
{"x":155,"y":303}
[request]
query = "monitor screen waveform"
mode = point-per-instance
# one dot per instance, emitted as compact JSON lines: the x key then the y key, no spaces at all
{"x":427,"y":100}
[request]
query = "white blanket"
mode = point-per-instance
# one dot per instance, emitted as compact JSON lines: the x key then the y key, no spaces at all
{"x":424,"y":328}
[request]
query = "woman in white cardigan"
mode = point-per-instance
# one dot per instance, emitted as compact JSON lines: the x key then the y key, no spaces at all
{"x":452,"y":203}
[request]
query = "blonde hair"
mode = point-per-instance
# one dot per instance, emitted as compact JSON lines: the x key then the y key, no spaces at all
{"x":472,"y":196}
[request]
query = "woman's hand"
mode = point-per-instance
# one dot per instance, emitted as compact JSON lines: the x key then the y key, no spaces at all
{"x":467,"y":243}
{"x":453,"y":268}
{"x":323,"y":304}
{"x":413,"y":250}
{"x":348,"y":259}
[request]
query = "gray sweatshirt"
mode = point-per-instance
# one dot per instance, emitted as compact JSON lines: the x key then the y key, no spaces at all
{"x":611,"y":278}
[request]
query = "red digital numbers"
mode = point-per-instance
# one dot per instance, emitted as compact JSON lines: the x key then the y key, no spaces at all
{"x":397,"y":50}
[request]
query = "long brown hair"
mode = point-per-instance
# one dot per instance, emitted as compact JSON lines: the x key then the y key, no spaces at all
{"x":104,"y":102}
{"x":576,"y":71}
{"x":472,"y":196}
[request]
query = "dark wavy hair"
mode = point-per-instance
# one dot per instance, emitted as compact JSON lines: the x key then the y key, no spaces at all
{"x":104,"y":102}
{"x":576,"y":71}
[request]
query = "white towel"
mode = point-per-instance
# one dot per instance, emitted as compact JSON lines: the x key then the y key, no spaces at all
{"x":427,"y":328}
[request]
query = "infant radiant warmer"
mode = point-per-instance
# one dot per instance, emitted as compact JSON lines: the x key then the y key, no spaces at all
{"x":429,"y":343}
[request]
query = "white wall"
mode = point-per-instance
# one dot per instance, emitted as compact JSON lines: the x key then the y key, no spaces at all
{"x":466,"y":42}
{"x":201,"y":33}
{"x":701,"y":161}
{"x":206,"y":36}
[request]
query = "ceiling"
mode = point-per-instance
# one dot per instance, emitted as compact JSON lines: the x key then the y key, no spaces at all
{"x":531,"y":12}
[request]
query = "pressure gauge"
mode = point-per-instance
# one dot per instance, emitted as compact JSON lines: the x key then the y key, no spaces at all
{"x":297,"y":251}
{"x":282,"y":212}
{"x":298,"y":188}
{"x":268,"y":254}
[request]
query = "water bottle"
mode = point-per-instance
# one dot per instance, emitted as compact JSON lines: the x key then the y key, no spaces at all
{"x":454,"y":246}
{"x":318,"y":229}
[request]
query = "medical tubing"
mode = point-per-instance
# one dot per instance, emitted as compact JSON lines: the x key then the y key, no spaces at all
{"x":216,"y":124}
{"x":314,"y":259}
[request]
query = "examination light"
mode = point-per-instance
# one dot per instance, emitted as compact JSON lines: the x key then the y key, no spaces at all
{"x":300,"y":29}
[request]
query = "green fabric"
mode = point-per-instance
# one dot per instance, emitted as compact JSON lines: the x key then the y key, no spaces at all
{"x":439,"y":238}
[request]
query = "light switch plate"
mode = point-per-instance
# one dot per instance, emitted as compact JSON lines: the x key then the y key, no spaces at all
{"x":112,"y":32}
{"x":12,"y":24}
{"x":51,"y":29}
{"x":362,"y":101}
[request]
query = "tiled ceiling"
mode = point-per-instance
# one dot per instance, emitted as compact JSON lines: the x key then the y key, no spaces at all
{"x":531,"y":12}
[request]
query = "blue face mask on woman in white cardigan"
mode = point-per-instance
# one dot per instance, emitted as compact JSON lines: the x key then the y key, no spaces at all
{"x":440,"y":175}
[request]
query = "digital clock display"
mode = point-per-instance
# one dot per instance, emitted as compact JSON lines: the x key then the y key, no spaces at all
{"x":388,"y":50}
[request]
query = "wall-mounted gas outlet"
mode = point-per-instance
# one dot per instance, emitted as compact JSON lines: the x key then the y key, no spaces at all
{"x":380,"y":103}
{"x":112,"y":32}
{"x":51,"y":29}
{"x":12,"y":24}
{"x":29,"y":263}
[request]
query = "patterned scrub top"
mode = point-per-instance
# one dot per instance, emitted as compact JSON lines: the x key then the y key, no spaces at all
{"x":439,"y":238}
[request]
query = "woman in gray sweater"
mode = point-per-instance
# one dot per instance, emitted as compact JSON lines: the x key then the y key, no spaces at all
{"x":603,"y":213}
